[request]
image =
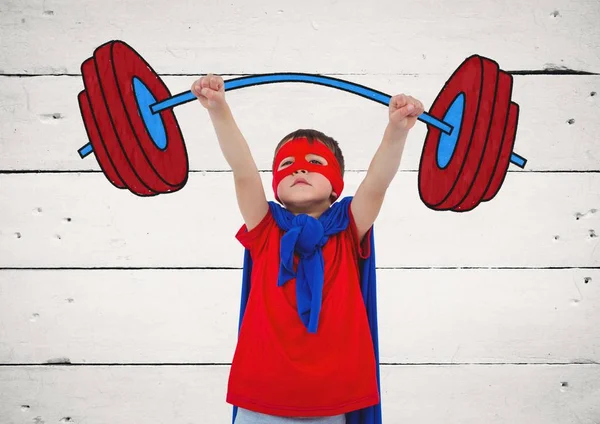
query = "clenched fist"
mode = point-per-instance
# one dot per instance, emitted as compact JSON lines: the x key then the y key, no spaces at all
{"x":404,"y":111}
{"x":210,"y":91}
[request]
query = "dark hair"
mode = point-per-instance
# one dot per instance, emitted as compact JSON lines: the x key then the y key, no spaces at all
{"x":313,"y":135}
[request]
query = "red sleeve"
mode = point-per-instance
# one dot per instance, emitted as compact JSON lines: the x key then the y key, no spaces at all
{"x":363,"y":248}
{"x":256,"y":237}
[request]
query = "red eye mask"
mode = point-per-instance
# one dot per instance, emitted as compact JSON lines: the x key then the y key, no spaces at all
{"x":299,"y":148}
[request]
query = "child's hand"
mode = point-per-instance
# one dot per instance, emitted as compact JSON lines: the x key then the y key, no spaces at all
{"x":210,"y":90}
{"x":404,"y":111}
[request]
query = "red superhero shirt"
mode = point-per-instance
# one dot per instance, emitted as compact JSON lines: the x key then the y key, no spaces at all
{"x":279,"y":368}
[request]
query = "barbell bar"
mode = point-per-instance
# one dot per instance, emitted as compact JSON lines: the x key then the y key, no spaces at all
{"x":128,"y":116}
{"x":260,"y":79}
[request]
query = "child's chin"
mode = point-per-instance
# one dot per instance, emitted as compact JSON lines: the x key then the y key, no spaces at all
{"x":300,"y":199}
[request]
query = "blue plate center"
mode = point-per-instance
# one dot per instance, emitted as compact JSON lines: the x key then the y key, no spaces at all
{"x":447,"y":143}
{"x":153,"y":121}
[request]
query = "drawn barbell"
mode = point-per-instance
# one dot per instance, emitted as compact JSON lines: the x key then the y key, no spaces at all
{"x":127,"y":113}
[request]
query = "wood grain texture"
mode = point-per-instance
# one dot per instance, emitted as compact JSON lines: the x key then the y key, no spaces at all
{"x":485,"y":317}
{"x":43,"y":127}
{"x":311,"y":36}
{"x":452,"y":394}
{"x":81,"y":220}
{"x":190,"y":316}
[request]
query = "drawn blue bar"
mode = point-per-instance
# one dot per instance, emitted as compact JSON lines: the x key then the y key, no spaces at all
{"x":376,"y":96}
{"x":430,"y":120}
{"x":171,"y":102}
{"x":253,"y":80}
{"x":85,"y":150}
{"x":518,"y":160}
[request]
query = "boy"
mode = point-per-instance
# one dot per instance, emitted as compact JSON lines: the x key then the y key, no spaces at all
{"x":305,"y":352}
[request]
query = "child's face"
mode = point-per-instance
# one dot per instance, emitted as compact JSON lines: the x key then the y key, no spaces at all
{"x":315,"y":190}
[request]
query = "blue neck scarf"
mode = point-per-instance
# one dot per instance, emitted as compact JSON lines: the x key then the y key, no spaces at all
{"x":306,"y":236}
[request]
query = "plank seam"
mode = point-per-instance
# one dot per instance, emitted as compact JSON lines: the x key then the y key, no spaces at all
{"x":226,"y":364}
{"x":545,"y":71}
{"x":184,"y":268}
{"x":219,"y":171}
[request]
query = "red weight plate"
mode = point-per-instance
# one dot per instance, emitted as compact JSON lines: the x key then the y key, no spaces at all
{"x":508,"y":144}
{"x":491,"y":154}
{"x":107,"y":132}
{"x":474,"y":152}
{"x":476,"y":78}
{"x":94,"y":136}
{"x":163,"y":170}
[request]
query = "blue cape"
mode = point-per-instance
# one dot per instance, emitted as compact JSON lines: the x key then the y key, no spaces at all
{"x":336,"y":218}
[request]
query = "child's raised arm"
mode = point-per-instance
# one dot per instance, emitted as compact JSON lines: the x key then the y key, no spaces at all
{"x":250,"y":192}
{"x":366,"y":204}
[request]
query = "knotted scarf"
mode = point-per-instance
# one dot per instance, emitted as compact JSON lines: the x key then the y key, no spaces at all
{"x":306,"y":236}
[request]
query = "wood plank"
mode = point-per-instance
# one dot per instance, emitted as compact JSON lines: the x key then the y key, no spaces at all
{"x":43,"y":127}
{"x":190,"y":316}
{"x":80,"y":220}
{"x":266,"y":36}
{"x":500,"y":394}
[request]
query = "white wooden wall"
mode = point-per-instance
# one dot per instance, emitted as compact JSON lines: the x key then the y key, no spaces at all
{"x":115,"y":308}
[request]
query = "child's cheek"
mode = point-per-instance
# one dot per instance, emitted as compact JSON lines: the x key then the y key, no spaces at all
{"x":285,"y":182}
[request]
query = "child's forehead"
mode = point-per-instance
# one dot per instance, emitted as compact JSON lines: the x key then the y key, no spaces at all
{"x":291,"y":154}
{"x":315,"y":147}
